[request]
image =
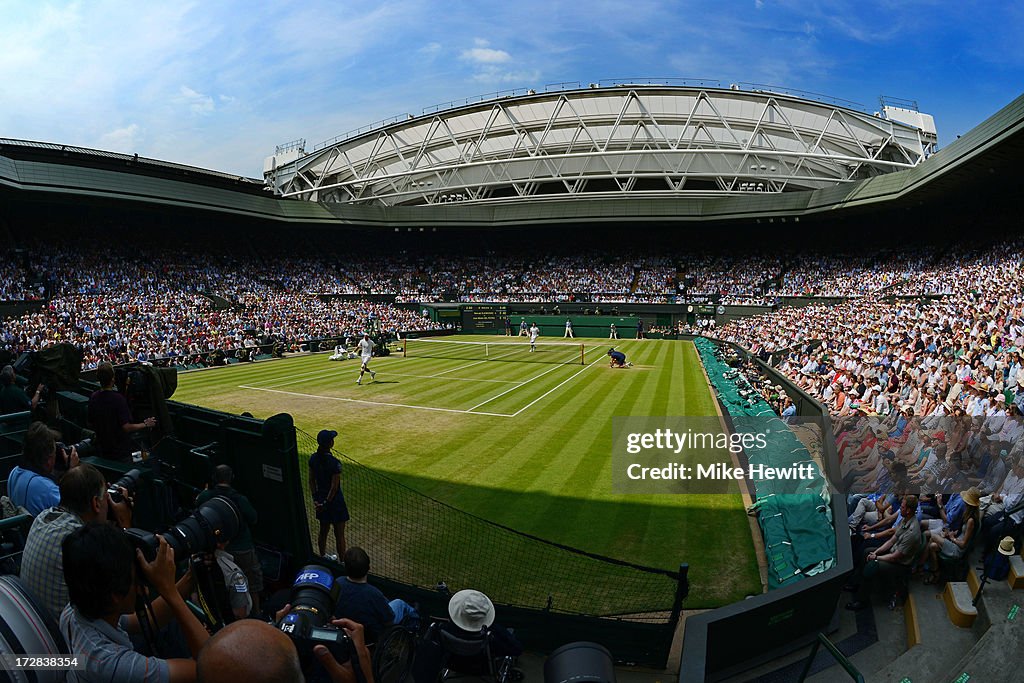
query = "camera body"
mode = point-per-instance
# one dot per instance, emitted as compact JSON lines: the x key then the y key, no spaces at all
{"x":129,"y":481}
{"x":84,"y":448}
{"x":63,"y":462}
{"x":314,"y":595}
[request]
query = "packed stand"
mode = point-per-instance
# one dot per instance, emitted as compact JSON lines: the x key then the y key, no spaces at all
{"x":737,"y":279}
{"x":153,"y":305}
{"x":13,"y":281}
{"x":935,"y":353}
{"x":848,"y":275}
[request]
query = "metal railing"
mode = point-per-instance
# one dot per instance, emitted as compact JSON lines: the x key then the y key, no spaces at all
{"x":840,"y":658}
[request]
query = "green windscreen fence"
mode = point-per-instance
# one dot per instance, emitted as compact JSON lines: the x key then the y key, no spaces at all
{"x":583,"y":325}
{"x":794,"y":514}
{"x":418,"y":541}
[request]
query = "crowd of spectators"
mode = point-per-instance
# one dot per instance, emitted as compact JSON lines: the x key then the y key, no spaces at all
{"x":156,"y":303}
{"x":13,"y":280}
{"x":961,"y":350}
{"x":739,"y":277}
{"x":591,"y":276}
{"x":160,"y":299}
{"x":848,"y":275}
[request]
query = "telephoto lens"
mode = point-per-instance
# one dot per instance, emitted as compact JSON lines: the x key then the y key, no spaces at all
{"x":314,"y":595}
{"x":215,"y":521}
{"x":580,"y":662}
{"x":129,"y":481}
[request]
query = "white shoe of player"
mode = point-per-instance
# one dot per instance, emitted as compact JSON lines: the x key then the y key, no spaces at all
{"x":359,"y":381}
{"x":373,"y":375}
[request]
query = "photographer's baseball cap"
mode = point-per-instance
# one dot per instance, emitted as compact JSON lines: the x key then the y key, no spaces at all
{"x":326,"y":436}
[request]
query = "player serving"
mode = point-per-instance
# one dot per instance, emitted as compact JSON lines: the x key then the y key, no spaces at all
{"x":366,"y":346}
{"x":534,"y":333}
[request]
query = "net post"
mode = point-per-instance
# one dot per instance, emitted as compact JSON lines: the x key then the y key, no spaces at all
{"x":405,"y":348}
{"x":582,"y":355}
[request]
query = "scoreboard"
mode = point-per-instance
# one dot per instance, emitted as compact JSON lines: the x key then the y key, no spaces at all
{"x":484,"y":317}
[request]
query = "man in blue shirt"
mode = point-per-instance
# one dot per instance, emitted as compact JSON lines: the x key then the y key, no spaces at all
{"x":365,"y":604}
{"x":788,"y":411}
{"x":617,"y":359}
{"x":31,"y":483}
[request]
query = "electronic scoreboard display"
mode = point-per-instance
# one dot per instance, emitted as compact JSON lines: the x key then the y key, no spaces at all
{"x":484,"y":317}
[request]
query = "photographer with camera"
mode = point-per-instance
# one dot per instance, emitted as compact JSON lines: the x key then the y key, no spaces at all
{"x":31,"y":483}
{"x":241,"y":548}
{"x":228,"y":655}
{"x":334,"y":648}
{"x":102,"y":570}
{"x":84,"y":498}
{"x":111,"y":418}
{"x":13,"y":398}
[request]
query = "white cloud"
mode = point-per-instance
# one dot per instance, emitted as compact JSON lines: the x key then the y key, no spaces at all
{"x":197,"y":102}
{"x":493,"y":74}
{"x":125,"y":140}
{"x":219,"y":84}
{"x":486,"y":55}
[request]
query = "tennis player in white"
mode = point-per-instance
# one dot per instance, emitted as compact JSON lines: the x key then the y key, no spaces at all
{"x":365,"y":353}
{"x":534,"y":333}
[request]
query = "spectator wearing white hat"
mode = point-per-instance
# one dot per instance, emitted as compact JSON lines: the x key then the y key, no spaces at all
{"x":472,"y":616}
{"x":472,"y":611}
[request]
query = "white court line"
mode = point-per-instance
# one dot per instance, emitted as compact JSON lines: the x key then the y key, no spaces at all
{"x":556,"y":386}
{"x":374,"y":403}
{"x":304,"y":377}
{"x":329,"y":370}
{"x":461,"y":367}
{"x":515,"y":387}
{"x":456,"y":379}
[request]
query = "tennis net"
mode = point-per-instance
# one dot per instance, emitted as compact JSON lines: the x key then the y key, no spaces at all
{"x":541,"y":352}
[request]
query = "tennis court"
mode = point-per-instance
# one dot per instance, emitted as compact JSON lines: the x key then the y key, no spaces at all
{"x":519,"y":438}
{"x":502,"y":379}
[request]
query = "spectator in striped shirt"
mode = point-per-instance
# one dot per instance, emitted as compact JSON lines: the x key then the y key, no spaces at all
{"x":83,"y":499}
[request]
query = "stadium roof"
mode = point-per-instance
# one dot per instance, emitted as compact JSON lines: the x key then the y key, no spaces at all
{"x":983,"y":160}
{"x":619,"y":141}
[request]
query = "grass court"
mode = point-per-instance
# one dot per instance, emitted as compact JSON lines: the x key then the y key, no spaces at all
{"x":521,"y":439}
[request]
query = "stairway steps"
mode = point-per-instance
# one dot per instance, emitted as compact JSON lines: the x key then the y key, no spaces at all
{"x":1016,"y":577}
{"x":940,"y":646}
{"x":957,"y":597}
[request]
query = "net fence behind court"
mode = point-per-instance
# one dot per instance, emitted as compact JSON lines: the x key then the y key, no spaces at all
{"x":521,"y":351}
{"x":417,"y":540}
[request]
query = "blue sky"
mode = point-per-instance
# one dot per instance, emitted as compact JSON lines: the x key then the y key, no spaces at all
{"x":219,"y":84}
